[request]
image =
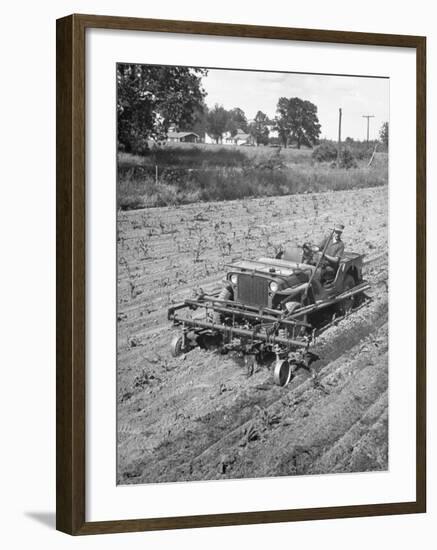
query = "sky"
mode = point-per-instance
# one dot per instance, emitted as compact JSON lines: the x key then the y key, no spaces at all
{"x":253,"y":91}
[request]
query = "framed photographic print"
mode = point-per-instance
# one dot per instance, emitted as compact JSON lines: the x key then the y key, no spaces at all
{"x":240,"y":274}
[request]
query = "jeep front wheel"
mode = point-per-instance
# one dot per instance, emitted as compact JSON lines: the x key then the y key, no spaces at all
{"x":225,"y":294}
{"x":176,"y":345}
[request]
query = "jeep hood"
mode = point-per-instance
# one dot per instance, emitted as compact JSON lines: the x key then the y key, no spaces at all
{"x":272,"y":266}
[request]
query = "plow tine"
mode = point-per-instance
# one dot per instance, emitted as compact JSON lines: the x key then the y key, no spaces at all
{"x":241,"y":332}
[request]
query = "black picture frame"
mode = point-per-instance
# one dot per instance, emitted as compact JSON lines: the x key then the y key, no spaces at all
{"x":71,"y":252}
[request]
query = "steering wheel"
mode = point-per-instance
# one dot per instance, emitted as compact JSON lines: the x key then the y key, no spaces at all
{"x":311,"y":255}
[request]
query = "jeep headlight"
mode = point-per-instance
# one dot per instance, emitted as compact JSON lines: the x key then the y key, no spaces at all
{"x":273,"y":286}
{"x":234,"y":279}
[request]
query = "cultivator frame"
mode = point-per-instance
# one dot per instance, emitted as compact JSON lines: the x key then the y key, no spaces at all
{"x":252,"y":330}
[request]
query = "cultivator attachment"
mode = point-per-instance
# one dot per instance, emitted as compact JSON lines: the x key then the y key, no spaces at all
{"x":231,"y":326}
{"x":245,"y":322}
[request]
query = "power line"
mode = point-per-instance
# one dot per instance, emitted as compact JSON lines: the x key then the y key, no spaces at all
{"x":368,"y":121}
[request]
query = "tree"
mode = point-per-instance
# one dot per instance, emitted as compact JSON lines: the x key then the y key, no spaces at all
{"x":297,"y":121}
{"x":236,"y":121}
{"x":383,"y":134}
{"x":259,"y":129}
{"x":216,"y":122}
{"x":198,"y":122}
{"x":282,"y":121}
{"x":151,"y":98}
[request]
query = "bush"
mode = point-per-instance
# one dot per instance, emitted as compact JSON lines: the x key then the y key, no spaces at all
{"x":361,"y":150}
{"x":195,"y":156}
{"x":326,"y":152}
{"x":347,"y":159}
{"x":274,"y":162}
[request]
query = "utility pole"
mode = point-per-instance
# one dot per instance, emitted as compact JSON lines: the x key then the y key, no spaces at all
{"x":339,"y":137}
{"x":368,"y":121}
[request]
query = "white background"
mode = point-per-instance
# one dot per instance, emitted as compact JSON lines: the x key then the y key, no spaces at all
{"x":105,"y":500}
{"x":28,"y":250}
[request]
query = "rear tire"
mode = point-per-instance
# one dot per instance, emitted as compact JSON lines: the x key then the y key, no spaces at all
{"x":346,"y":306}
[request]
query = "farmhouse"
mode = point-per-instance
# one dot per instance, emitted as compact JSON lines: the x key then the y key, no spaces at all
{"x":210,"y":140}
{"x":273,"y":131}
{"x":182,"y":137}
{"x":240,"y":138}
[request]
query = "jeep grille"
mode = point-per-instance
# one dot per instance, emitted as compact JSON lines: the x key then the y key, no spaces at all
{"x":253,"y":290}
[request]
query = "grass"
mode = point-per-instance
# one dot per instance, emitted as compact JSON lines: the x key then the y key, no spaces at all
{"x":187,"y":155}
{"x":194,"y":173}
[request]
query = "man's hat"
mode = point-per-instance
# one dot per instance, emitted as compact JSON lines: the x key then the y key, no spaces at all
{"x":338,"y":227}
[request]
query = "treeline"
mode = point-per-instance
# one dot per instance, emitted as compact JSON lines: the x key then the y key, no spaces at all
{"x":296,"y":121}
{"x":218,"y":122}
{"x":152,"y":99}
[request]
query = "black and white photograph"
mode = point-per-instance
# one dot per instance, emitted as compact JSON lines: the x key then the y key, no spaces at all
{"x":252,"y":274}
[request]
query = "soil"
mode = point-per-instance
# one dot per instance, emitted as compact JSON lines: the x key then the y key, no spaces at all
{"x":201,"y":416}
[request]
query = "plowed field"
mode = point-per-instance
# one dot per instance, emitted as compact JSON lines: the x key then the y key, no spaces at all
{"x":200,"y":416}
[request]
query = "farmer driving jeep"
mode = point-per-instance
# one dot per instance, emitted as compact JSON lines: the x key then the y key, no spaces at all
{"x":334,"y":249}
{"x":326,"y":256}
